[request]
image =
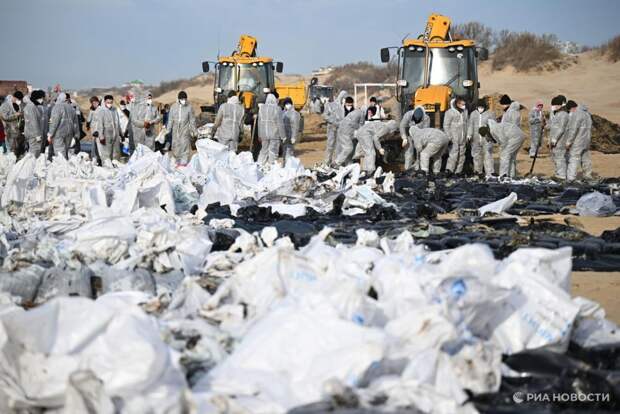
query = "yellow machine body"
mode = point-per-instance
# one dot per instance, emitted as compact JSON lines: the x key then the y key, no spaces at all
{"x":296,"y":91}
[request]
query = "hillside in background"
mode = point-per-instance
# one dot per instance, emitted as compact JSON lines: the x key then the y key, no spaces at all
{"x":592,"y":80}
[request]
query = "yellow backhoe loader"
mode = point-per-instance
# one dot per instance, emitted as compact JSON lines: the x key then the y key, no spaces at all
{"x":250,"y":76}
{"x":434,"y":68}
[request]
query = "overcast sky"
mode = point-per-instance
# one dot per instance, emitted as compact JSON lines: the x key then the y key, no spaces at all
{"x":86,"y":43}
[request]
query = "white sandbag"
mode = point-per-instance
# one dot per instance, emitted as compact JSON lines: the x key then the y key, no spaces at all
{"x":114,"y":280}
{"x":19,"y":181}
{"x":58,"y":282}
{"x":111,"y":337}
{"x":284,"y":364}
{"x":595,"y":204}
{"x":188,"y":300}
{"x":556,"y":264}
{"x":591,"y":327}
{"x":23,"y":283}
{"x":538,"y":313}
{"x":86,"y":394}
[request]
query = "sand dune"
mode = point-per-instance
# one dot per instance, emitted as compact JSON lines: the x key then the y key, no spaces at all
{"x":593,"y":81}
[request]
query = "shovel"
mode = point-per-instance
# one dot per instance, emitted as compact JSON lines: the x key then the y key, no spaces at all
{"x":533,"y":162}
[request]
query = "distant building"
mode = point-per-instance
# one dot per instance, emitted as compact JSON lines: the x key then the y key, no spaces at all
{"x":322,"y":71}
{"x":136,"y":83}
{"x":7,"y":87}
{"x":568,"y":47}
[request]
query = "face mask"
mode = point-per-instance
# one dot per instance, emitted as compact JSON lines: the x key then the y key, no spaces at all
{"x":481,"y":109}
{"x":555,"y":107}
{"x":182,"y":101}
{"x":40,"y":101}
{"x":288,"y":106}
{"x":108,"y":105}
{"x":18,"y":102}
{"x":461,"y":107}
{"x":149,"y":101}
{"x":123,"y":107}
{"x":349,"y":107}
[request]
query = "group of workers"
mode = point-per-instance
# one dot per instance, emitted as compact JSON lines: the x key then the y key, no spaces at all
{"x":278,"y":123}
{"x":38,"y":124}
{"x":426,"y":148}
{"x":54,"y":125}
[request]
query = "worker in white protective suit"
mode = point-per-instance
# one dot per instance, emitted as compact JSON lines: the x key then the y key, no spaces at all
{"x":333,"y":115}
{"x":182,"y":126}
{"x":578,"y":142}
{"x":537,"y":125}
{"x":558,"y":135}
{"x":455,"y":126}
{"x":229,"y":122}
{"x":144,"y":116}
{"x":407,"y":121}
{"x":292,"y":129}
{"x":270,"y":130}
{"x":369,"y":142}
{"x":352,"y":121}
{"x":510,"y":138}
{"x":430,"y":144}
{"x":64,"y":128}
{"x":107,"y":130}
{"x":481,"y":148}
{"x":36,"y":122}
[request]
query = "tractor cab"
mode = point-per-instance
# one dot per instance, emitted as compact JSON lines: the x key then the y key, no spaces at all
{"x":435,"y":68}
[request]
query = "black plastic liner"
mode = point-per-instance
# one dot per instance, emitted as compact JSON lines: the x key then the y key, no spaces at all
{"x":417,"y":202}
{"x":583,"y":380}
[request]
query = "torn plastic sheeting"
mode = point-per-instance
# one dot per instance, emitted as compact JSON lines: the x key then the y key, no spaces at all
{"x":116,"y":228}
{"x":499,"y":206}
{"x":595,"y":204}
{"x":112,"y":337}
{"x":23,"y":283}
{"x":362,"y":196}
{"x":19,"y":180}
{"x":471,"y":366}
{"x":193,"y":246}
{"x":57,"y":282}
{"x":115,"y":280}
{"x":591,"y":327}
{"x":187,"y":300}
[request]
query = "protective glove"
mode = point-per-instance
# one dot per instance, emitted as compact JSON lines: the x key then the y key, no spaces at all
{"x":468,"y":138}
{"x":292,"y":140}
{"x":37,"y":139}
{"x":72,"y":143}
{"x":381,"y":151}
{"x":405,"y":142}
{"x":355,"y":133}
{"x":95,"y":134}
